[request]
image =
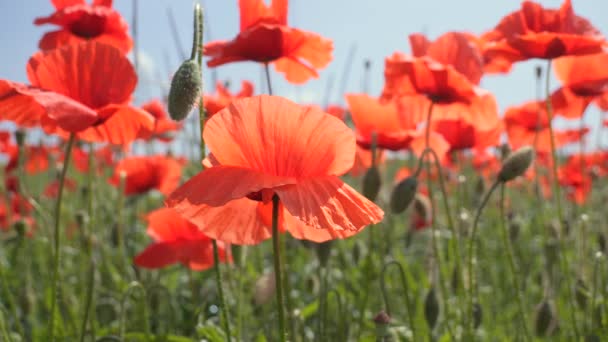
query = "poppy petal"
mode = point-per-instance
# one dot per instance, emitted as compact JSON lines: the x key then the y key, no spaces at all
{"x":256,"y":11}
{"x":277,"y":137}
{"x":157,"y":255}
{"x":223,"y":184}
{"x":92,"y":73}
{"x":28,"y":106}
{"x":59,"y":4}
{"x":301,"y":231}
{"x":123,"y":126}
{"x":329,"y":203}
{"x":236,"y":222}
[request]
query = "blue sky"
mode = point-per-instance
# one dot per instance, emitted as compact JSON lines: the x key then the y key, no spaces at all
{"x":373,"y":28}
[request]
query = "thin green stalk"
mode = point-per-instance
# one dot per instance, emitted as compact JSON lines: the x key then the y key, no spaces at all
{"x":434,"y":243}
{"x":267,"y":73}
{"x":322,"y":304}
{"x":514,"y":273}
{"x":277,"y":267}
{"x":591,"y":312}
{"x":197,"y":44}
{"x":6,"y":336}
{"x":406,"y":293}
{"x":134,"y":286}
{"x":57,"y":237}
{"x":88,"y":300}
{"x":560,"y":214}
{"x":470,"y":268}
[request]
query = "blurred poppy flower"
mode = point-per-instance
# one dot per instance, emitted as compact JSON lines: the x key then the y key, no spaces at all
{"x":104,"y":158}
{"x":177,"y":241}
{"x":473,"y":125}
{"x":52,"y":189}
{"x":264,"y":146}
{"x":213,"y":103}
{"x":446,"y":70}
{"x":394,"y":122}
{"x":13,"y":209}
{"x":537,"y":32}
{"x":584,"y":78}
{"x":363,"y":160}
{"x":79,"y":22}
{"x":265,"y":37}
{"x":163,"y":125}
{"x":146,"y":173}
{"x":36,"y":157}
{"x":82,"y":88}
{"x":528,"y":125}
{"x":575,"y":178}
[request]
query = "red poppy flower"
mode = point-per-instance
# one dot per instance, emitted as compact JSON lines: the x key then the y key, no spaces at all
{"x":146,"y":173}
{"x":537,"y":32}
{"x":473,"y":125}
{"x":13,"y":209}
{"x":523,"y":122}
{"x":264,"y":146}
{"x":104,"y":158}
{"x":36,"y":157}
{"x":265,"y":37}
{"x":584,"y":78}
{"x":446,"y":70}
{"x":213,"y":103}
{"x":82,"y":88}
{"x":394,"y":122}
{"x":574,"y":179}
{"x":81,"y":22}
{"x":52,"y":189}
{"x":177,"y":240}
{"x":163,"y":125}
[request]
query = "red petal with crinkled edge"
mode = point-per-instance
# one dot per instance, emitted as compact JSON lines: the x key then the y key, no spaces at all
{"x":157,"y":255}
{"x":274,"y":136}
{"x":237,"y":222}
{"x":301,"y":231}
{"x":28,"y":107}
{"x":123,"y":125}
{"x":329,"y":203}
{"x":59,"y":4}
{"x":218,"y":185}
{"x":91,"y":73}
{"x":256,"y":11}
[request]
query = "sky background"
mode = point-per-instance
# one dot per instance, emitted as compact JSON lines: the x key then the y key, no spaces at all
{"x":366,"y":29}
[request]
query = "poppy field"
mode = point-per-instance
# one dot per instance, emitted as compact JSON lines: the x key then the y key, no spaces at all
{"x":422,"y":212}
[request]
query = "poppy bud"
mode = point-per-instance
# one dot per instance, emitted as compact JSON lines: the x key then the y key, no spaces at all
{"x":403,"y":194}
{"x":581,"y":292}
{"x":264,"y":289}
{"x":601,"y":242}
{"x":431,"y":308}
{"x":422,"y":207}
{"x":544,"y":318}
{"x":371,"y":183}
{"x":20,"y":137}
{"x":477,"y":315}
{"x":382,"y":321}
{"x":185,"y":89}
{"x":516,"y":164}
{"x":538,"y":70}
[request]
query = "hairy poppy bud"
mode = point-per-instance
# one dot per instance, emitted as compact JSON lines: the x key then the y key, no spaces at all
{"x":516,"y":164}
{"x":371,"y":183}
{"x":431,"y":308}
{"x":544,"y":318}
{"x":185,"y":89}
{"x":382,"y":321}
{"x":403,"y":194}
{"x":477,"y":315}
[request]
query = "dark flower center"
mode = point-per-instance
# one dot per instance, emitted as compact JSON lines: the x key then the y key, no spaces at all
{"x":88,"y":26}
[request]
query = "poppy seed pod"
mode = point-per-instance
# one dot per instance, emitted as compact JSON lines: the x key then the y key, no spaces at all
{"x":403,"y":194}
{"x":544,"y":318}
{"x":516,"y":164}
{"x":185,"y":89}
{"x":431,"y":308}
{"x":371,"y":183}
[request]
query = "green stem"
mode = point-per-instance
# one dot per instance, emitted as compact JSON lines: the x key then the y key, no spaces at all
{"x":406,"y":293}
{"x":267,"y":72}
{"x":57,"y":236}
{"x":470,"y":268}
{"x":88,"y":300}
{"x":220,"y":291}
{"x":560,"y":214}
{"x":277,"y":267}
{"x":509,"y":250}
